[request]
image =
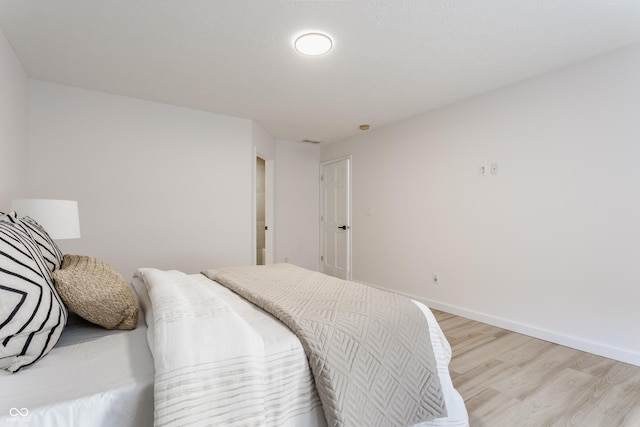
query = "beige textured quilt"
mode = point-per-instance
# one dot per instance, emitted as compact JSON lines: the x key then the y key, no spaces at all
{"x":369,"y":350}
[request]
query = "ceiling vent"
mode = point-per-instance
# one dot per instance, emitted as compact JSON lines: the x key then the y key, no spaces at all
{"x":311,"y":141}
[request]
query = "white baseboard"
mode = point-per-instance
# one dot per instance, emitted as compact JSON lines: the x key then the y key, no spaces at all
{"x":599,"y":349}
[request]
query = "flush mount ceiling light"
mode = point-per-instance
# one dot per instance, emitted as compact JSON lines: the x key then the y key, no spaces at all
{"x":313,"y":44}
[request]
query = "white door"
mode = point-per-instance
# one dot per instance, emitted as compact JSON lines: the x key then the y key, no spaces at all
{"x":335,"y":219}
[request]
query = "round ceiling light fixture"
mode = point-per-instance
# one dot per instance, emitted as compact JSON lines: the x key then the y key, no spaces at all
{"x":313,"y":44}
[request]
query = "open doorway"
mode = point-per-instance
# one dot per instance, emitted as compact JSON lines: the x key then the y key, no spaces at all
{"x":261,"y":220}
{"x":263,"y":210}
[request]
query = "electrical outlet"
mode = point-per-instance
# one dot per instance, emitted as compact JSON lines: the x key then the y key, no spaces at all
{"x":436,"y":279}
{"x":482,"y":170}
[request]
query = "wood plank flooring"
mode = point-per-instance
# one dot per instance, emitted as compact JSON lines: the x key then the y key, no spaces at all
{"x":512,"y":380}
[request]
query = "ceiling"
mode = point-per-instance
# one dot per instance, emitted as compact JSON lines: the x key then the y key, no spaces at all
{"x":391,"y":58}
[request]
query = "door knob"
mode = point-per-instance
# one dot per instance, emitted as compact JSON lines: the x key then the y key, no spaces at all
{"x":344,"y":227}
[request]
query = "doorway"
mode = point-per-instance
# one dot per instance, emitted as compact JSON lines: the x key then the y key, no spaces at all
{"x":261,"y":223}
{"x":263,"y":210}
{"x":335,"y":218}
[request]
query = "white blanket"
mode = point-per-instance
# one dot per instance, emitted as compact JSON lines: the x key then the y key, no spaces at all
{"x":214,"y":368}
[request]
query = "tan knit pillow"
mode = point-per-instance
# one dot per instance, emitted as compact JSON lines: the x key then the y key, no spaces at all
{"x":96,"y":292}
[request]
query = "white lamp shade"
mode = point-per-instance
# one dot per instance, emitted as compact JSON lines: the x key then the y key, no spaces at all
{"x":58,"y":217}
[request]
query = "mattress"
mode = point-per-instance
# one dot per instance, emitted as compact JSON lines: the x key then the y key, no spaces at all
{"x":93,"y":377}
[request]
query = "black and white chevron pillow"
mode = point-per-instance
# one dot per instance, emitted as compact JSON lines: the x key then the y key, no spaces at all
{"x":50,"y":251}
{"x":32,"y":314}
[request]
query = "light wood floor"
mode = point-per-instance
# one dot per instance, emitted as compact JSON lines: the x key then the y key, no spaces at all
{"x":512,"y":380}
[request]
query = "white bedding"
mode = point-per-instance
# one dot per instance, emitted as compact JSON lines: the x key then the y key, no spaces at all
{"x":278,"y":398}
{"x":92,"y":378}
{"x":222,"y":361}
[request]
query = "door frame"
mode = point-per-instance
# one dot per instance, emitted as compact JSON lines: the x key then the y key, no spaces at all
{"x":348,"y":262}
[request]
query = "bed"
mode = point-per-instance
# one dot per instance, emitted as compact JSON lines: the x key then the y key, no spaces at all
{"x":200,"y":354}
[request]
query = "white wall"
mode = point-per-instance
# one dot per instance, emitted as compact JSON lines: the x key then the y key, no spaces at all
{"x":14,"y":94}
{"x":263,"y":142}
{"x":551,"y":245}
{"x":157,"y":185}
{"x":298,"y":204}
